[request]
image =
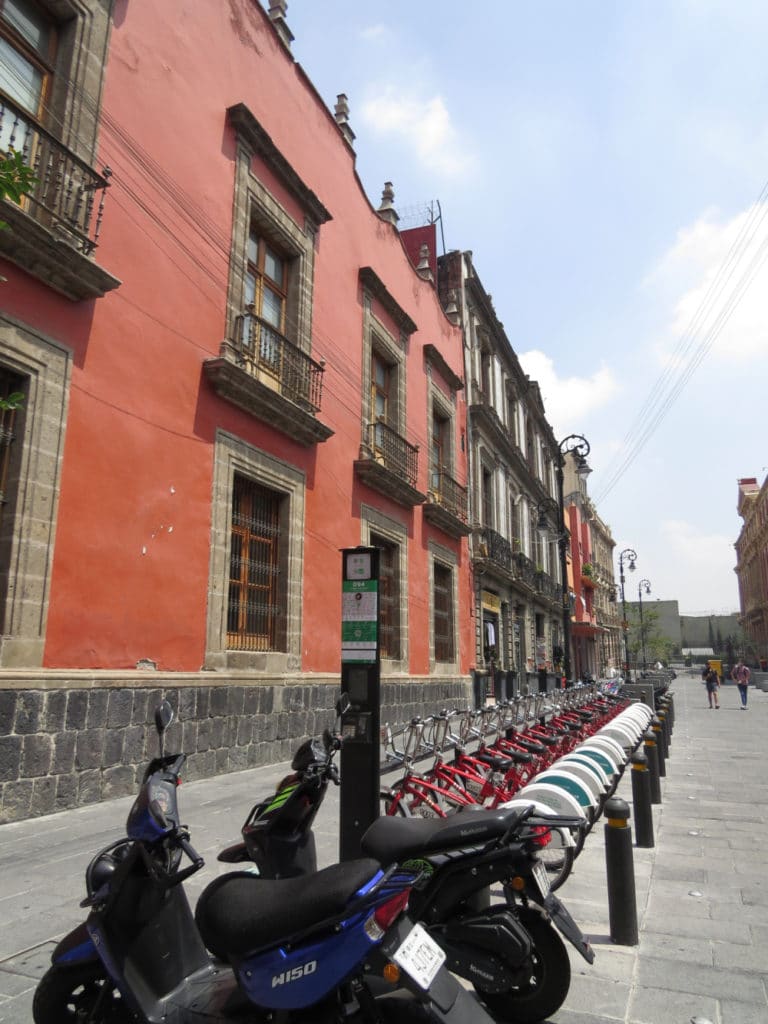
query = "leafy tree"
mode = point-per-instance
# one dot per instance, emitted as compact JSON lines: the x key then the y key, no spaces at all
{"x":648,"y":636}
{"x":16,"y":180}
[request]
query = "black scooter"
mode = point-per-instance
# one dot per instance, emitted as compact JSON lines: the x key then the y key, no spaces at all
{"x":331,"y":947}
{"x":510,"y":951}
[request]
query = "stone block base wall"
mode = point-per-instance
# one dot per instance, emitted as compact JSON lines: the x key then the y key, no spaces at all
{"x":77,"y":738}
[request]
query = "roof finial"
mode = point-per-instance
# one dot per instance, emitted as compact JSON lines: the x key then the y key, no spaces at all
{"x":387,"y":209}
{"x":341,"y":113}
{"x":423,"y":268}
{"x":277,"y":11}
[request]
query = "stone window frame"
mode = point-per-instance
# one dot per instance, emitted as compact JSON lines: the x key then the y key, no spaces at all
{"x":448,"y":559}
{"x":29,"y":530}
{"x":438,"y":402}
{"x":376,"y":338}
{"x":74,"y":104}
{"x":233,"y":455}
{"x":255,"y":207}
{"x":374,"y":521}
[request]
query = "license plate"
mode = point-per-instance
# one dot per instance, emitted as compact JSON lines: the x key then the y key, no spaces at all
{"x":541,"y":877}
{"x":420,"y":957}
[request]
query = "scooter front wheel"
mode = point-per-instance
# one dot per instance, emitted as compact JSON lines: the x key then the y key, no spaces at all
{"x":67,"y":994}
{"x":544,"y":979}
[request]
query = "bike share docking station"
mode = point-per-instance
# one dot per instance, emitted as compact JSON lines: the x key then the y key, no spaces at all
{"x":361,"y":685}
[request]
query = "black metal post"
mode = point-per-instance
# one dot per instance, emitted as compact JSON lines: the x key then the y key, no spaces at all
{"x":630,"y":556}
{"x":651,"y":752}
{"x":643,"y":585}
{"x":562,"y":545}
{"x":580,"y":447}
{"x":658,"y":730}
{"x":641,"y":800}
{"x":622,"y":901}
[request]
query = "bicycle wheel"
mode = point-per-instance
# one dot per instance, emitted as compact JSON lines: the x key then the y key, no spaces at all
{"x":557,"y":857}
{"x":393,"y":802}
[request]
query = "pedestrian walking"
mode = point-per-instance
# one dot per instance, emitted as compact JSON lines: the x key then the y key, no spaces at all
{"x":712,"y":680}
{"x":740,"y":674}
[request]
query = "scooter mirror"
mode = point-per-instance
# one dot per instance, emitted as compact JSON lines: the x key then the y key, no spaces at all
{"x":343,"y":704}
{"x":163,"y":716}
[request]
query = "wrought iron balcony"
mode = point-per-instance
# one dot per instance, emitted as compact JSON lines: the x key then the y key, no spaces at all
{"x":65,"y":205}
{"x":447,"y":504}
{"x":389,"y":464}
{"x":264,"y":373}
{"x":525,"y":570}
{"x":268,"y":355}
{"x":495,"y":548}
{"x":69,"y":195}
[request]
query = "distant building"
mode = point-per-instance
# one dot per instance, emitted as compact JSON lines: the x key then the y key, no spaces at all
{"x":752,"y":567}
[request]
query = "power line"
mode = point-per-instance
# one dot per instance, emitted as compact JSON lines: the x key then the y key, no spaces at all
{"x":693,"y":346}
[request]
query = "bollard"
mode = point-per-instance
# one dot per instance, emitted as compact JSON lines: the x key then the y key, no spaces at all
{"x":641,"y":801}
{"x":669,"y":706}
{"x":659,"y":733}
{"x":662,"y":717}
{"x":651,"y":753}
{"x":622,"y":904}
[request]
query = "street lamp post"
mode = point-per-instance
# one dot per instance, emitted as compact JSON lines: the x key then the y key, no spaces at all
{"x":643,"y":585}
{"x":631,"y":557}
{"x":580,"y":448}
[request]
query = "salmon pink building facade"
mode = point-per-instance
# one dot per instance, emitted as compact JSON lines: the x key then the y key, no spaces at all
{"x":230,"y":370}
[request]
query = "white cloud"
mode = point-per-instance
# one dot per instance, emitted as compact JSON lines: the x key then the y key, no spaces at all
{"x":569,"y":401}
{"x":688,"y":558}
{"x":378,"y":31}
{"x":424,"y":124}
{"x":714,"y":283}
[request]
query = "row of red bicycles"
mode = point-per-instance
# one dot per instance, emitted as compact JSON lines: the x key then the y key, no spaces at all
{"x":563,"y":751}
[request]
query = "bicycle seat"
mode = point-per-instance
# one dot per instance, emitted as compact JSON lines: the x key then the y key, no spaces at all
{"x":520,"y":756}
{"x":534,"y":746}
{"x":499,"y":762}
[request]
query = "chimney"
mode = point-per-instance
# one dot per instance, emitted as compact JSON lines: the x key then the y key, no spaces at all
{"x":341,"y":113}
{"x":277,"y":10}
{"x":387,"y":209}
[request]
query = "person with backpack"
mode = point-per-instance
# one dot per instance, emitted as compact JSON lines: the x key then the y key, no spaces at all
{"x":740,"y":674}
{"x":712,"y":680}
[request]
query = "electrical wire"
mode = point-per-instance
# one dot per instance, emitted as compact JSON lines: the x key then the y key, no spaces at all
{"x":697,"y":340}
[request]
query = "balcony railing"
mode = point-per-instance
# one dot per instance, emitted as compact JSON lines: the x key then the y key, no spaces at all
{"x":394,"y":452}
{"x":64,"y":199}
{"x":524,"y":568}
{"x":277,"y":362}
{"x":493,"y":546}
{"x":450,"y":494}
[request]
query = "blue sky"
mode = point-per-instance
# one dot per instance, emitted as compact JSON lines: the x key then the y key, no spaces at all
{"x":605,"y":162}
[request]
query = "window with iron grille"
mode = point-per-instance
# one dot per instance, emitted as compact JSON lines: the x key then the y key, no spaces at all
{"x":255,"y":612}
{"x":10,"y":383}
{"x":442,"y":603}
{"x":389,"y":597}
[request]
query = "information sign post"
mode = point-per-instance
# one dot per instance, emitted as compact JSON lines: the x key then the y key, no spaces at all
{"x":361,"y":683}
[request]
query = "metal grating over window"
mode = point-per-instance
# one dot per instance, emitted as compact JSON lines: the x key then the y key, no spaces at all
{"x":443,"y":613}
{"x":10,"y":384}
{"x":389,"y":597}
{"x":254,"y":610}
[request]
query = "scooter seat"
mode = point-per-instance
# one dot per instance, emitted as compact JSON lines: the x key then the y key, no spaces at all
{"x":240,"y":912}
{"x":392,"y":839}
